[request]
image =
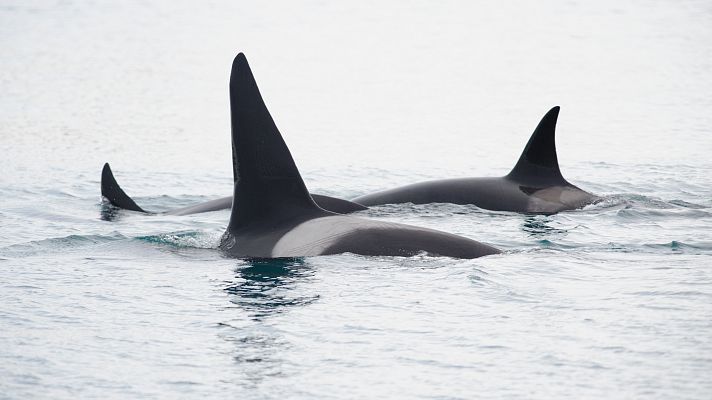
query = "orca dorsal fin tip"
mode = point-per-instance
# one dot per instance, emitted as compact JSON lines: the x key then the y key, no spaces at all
{"x":107,"y":180}
{"x":549,"y":121}
{"x":239,"y":66}
{"x":106,"y":176}
{"x":240,"y":58}
{"x":539,"y":160}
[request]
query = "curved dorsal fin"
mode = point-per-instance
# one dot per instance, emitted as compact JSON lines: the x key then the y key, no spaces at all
{"x":267,"y":182}
{"x":111,"y":190}
{"x":538,"y":163}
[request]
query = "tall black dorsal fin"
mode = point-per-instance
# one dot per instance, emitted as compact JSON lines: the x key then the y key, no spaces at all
{"x":267,"y":182}
{"x":538,"y":163}
{"x":113,"y":192}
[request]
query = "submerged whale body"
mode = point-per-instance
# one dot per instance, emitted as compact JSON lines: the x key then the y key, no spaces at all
{"x":273,"y":214}
{"x":535,"y":185}
{"x":111,"y":191}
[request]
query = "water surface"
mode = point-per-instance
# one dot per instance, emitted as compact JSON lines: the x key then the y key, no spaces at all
{"x":611,"y":301}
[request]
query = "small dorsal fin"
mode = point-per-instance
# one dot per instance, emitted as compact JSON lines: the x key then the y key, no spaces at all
{"x":111,"y":190}
{"x":267,"y":182}
{"x":538,"y":163}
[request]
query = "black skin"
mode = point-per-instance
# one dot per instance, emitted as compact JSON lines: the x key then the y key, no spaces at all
{"x":534,"y":186}
{"x":273,"y":214}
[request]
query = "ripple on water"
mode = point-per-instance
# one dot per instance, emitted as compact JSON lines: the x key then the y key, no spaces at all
{"x":51,"y":245}
{"x":612,"y":301}
{"x":187,"y":239}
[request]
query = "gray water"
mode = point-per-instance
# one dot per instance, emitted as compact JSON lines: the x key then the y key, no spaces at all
{"x":612,"y":301}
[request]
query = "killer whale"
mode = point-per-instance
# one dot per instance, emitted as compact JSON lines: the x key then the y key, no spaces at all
{"x":111,"y":191}
{"x":273,"y":214}
{"x":534,"y":186}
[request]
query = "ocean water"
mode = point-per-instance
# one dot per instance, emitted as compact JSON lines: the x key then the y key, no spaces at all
{"x":611,"y":301}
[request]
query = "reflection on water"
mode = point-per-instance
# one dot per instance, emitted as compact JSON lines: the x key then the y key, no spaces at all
{"x":264,"y":288}
{"x":258,"y":352}
{"x":538,"y":226}
{"x":109,"y":212}
{"x":268,"y":286}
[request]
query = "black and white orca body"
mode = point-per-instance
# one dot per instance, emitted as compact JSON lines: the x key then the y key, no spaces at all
{"x":535,"y":185}
{"x":273,"y":214}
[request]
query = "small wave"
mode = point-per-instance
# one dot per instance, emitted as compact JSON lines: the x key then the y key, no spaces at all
{"x":686,"y":204}
{"x":430,"y":210}
{"x":642,"y":202}
{"x":647,"y":214}
{"x":639,"y":207}
{"x":57,"y":244}
{"x":551,"y":245}
{"x":672,"y":293}
{"x":674,"y":246}
{"x":677,"y":246}
{"x":608,"y":202}
{"x":189,"y":239}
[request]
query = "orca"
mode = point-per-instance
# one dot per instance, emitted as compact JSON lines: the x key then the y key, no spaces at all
{"x":534,"y":186}
{"x":273,"y":215}
{"x":116,"y":196}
